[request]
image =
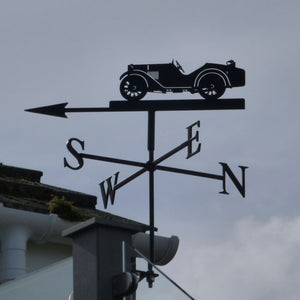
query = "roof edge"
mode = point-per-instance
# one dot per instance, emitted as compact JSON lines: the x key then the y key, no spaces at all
{"x":20,"y":173}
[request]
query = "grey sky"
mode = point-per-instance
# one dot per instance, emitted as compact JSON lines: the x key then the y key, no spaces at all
{"x":75,"y":51}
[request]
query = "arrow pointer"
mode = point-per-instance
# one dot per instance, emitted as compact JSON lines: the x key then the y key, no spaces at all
{"x":57,"y":110}
{"x":60,"y":110}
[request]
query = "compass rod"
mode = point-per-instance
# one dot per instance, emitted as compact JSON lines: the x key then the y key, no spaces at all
{"x":113,"y":160}
{"x":190,"y":172}
{"x":138,"y":164}
{"x":170,"y":153}
{"x":130,"y":178}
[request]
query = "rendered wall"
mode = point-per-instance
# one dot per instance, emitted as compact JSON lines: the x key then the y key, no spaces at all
{"x":53,"y":282}
{"x":42,"y":255}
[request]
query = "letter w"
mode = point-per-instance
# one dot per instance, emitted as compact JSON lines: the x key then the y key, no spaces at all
{"x":111,"y":190}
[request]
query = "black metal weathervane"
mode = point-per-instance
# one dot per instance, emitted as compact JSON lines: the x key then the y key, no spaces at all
{"x":210,"y":81}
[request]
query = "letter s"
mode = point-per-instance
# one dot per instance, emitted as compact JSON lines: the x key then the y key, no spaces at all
{"x":77,"y":155}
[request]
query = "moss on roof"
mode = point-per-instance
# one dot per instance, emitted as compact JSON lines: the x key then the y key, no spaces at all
{"x":36,"y":191}
{"x":25,"y":192}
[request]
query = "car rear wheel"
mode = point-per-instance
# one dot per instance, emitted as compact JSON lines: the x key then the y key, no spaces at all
{"x":133,"y":87}
{"x":211,"y":86}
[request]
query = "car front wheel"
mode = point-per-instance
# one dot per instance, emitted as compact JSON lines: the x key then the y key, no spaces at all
{"x":133,"y":87}
{"x":211,"y":86}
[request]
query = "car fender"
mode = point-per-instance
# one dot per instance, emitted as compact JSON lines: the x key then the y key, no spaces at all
{"x":215,"y":71}
{"x":137,"y":73}
{"x":123,"y":75}
{"x":151,"y":83}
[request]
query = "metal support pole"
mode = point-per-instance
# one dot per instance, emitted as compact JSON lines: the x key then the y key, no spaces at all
{"x":151,"y":146}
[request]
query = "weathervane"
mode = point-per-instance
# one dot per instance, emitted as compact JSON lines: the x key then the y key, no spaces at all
{"x":210,"y":81}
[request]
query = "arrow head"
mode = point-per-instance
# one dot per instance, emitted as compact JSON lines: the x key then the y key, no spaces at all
{"x":57,"y":110}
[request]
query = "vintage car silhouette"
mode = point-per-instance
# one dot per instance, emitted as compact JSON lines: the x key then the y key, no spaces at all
{"x":210,"y":81}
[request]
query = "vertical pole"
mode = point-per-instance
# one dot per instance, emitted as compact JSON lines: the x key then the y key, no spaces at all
{"x":151,"y":146}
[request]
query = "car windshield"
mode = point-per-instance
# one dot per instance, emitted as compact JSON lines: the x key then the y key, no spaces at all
{"x":177,"y":65}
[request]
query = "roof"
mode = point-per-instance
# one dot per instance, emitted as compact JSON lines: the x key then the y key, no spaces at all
{"x":21,"y":189}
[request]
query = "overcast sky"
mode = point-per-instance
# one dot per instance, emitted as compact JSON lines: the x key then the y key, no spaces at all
{"x":74,"y":51}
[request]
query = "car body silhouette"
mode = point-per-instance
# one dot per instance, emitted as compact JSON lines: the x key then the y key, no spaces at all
{"x":210,"y":80}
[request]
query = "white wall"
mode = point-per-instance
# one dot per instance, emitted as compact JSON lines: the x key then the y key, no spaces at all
{"x":41,"y":255}
{"x":54,"y":282}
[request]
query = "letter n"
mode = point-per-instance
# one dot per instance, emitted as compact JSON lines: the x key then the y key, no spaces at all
{"x":110,"y":192}
{"x":240,"y":186}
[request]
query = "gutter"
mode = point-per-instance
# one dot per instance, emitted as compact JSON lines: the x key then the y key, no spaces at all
{"x":19,"y":226}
